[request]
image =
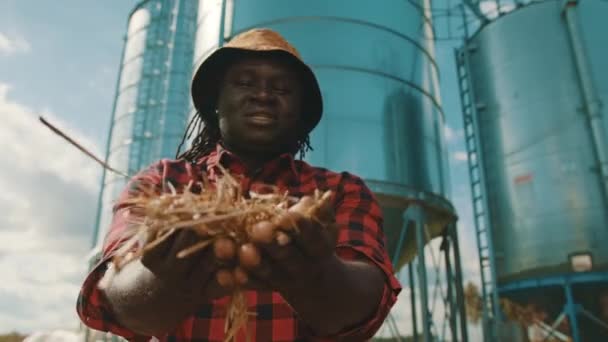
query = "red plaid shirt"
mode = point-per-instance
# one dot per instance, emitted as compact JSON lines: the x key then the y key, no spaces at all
{"x":360,"y":237}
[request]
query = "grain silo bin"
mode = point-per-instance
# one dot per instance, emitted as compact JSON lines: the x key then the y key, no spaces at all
{"x":152,"y":94}
{"x":383,"y":118}
{"x":534,"y":84}
{"x":151,"y":102}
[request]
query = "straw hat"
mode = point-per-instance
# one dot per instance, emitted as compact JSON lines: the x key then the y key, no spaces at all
{"x":255,"y":42}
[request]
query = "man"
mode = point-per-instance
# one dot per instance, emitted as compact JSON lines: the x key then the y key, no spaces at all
{"x":256,"y":102}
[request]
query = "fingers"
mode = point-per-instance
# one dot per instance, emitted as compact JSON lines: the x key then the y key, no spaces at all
{"x":324,"y":209}
{"x":251,"y":260}
{"x":183,"y":241}
{"x":264,"y":265}
{"x":319,"y":208}
{"x":289,"y":259}
{"x":224,"y":249}
{"x":162,"y":245}
{"x":280,"y":250}
{"x":240,"y":276}
{"x":282,"y":262}
{"x":303,"y":205}
{"x":225,"y":278}
{"x":262,"y":232}
{"x":199,"y":266}
{"x":203,"y":270}
{"x":293,"y":242}
{"x":313,"y":238}
{"x":249,"y":256}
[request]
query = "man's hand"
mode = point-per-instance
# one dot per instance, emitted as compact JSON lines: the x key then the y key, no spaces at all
{"x":300,"y":262}
{"x":295,"y":255}
{"x":192,"y":277}
{"x":152,"y":295}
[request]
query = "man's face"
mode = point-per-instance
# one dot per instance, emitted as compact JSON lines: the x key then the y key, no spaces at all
{"x":259,"y":105}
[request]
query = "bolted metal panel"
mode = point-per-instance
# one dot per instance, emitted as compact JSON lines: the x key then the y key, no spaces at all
{"x":152,"y":98}
{"x":542,"y":172}
{"x":382,"y":117}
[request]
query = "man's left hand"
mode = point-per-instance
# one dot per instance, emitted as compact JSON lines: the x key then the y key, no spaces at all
{"x":301,"y":250}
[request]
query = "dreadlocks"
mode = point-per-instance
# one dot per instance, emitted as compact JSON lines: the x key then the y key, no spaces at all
{"x":208,"y":135}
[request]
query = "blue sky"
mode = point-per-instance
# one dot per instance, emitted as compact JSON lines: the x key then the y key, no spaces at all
{"x":62,"y":63}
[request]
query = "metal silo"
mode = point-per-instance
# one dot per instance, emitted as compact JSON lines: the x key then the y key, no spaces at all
{"x":533,"y":84}
{"x":152,"y":96}
{"x":383,"y":118}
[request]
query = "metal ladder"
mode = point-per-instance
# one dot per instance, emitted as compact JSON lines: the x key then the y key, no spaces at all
{"x":489,"y":293}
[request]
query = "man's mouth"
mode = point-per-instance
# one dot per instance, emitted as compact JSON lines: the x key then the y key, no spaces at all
{"x":261,"y":118}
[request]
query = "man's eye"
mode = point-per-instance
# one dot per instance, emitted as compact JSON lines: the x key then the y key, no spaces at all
{"x":244,"y":83}
{"x":281,"y":89}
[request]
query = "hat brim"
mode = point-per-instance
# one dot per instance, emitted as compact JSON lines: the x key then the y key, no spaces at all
{"x":207,"y":78}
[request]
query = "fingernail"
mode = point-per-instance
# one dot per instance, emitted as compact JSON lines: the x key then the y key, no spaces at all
{"x":283,"y":239}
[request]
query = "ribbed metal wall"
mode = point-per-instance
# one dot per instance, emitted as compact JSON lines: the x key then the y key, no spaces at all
{"x":152,"y":95}
{"x":382,"y":110}
{"x":544,"y":188}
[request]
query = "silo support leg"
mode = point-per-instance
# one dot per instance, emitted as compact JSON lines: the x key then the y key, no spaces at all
{"x":402,"y":235}
{"x":416,"y":214}
{"x":570,"y":310}
{"x":459,"y":284}
{"x":410,"y":269}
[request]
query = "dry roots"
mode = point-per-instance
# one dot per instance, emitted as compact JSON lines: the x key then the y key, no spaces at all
{"x":524,"y":315}
{"x":217,"y":211}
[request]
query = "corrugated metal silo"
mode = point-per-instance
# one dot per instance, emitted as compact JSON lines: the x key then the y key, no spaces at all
{"x":383,"y":118}
{"x":152,"y":98}
{"x":538,"y":77}
{"x":151,"y":103}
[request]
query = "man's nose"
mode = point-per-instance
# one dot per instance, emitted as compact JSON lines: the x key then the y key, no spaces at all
{"x":263,"y":92}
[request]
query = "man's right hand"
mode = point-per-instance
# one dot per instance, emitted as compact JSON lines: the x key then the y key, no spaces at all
{"x":209,"y":274}
{"x":194,"y":276}
{"x":154,"y":294}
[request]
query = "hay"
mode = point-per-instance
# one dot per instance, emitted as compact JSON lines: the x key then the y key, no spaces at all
{"x":219,"y":210}
{"x":524,"y":315}
{"x":473,"y":303}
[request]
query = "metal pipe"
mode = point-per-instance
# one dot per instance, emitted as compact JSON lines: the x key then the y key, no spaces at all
{"x":450,"y":290}
{"x":393,"y":327}
{"x":465,"y":24}
{"x":592,"y":103}
{"x":464,"y":334}
{"x":592,"y":317}
{"x":410,"y":270}
{"x":221,"y":39}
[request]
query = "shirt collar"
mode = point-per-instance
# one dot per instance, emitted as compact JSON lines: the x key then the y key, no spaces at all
{"x":222,"y":156}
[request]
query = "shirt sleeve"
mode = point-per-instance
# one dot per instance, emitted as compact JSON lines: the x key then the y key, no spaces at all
{"x":92,"y":307}
{"x":361,"y":237}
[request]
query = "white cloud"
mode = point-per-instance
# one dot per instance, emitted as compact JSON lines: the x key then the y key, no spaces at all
{"x":102,"y":80}
{"x":450,"y":134}
{"x":13,"y":45}
{"x":490,"y":8}
{"x":33,"y":146}
{"x":460,"y":156}
{"x":55,"y":336}
{"x":40,"y":289}
{"x":48,"y":199}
